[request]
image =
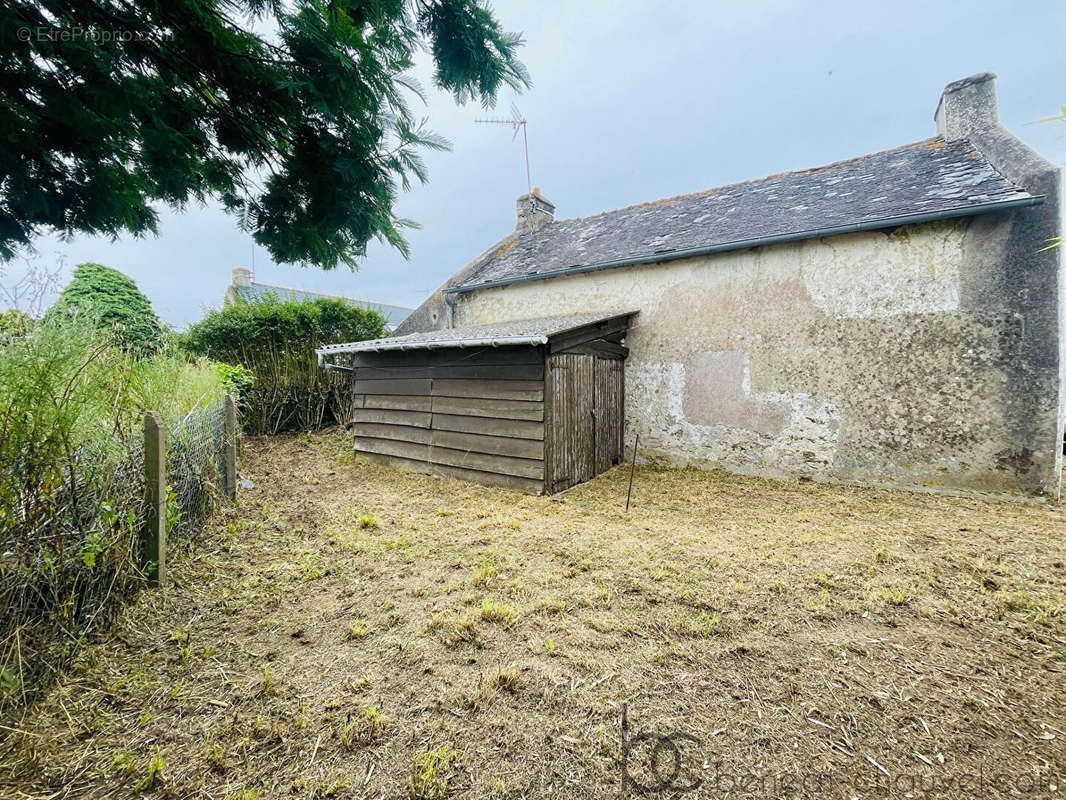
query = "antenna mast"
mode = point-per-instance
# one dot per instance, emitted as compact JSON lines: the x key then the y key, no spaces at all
{"x":516,"y":121}
{"x":244,"y":221}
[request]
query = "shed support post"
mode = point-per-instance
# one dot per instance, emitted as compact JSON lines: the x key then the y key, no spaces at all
{"x":154,"y":536}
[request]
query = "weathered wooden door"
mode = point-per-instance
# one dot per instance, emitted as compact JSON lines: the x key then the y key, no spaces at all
{"x":608,"y":407}
{"x":586,"y":416}
{"x":573,"y":387}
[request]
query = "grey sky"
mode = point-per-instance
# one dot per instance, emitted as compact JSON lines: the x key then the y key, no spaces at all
{"x":633,"y":101}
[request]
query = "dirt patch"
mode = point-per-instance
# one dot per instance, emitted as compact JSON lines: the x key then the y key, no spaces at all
{"x":355,"y":631}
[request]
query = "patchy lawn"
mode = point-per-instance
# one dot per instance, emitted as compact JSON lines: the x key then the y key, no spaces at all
{"x":355,"y":631}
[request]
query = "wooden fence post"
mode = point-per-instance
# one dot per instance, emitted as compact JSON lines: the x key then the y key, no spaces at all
{"x":154,"y":541}
{"x":229,"y":442}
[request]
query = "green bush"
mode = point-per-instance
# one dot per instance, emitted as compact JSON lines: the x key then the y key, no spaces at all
{"x":275,"y":341}
{"x":110,"y":301}
{"x":15,"y":324}
{"x":237,"y":380}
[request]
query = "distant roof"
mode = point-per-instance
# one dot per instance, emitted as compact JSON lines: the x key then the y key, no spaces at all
{"x":931,"y":179}
{"x":497,"y":334}
{"x":394,"y":315}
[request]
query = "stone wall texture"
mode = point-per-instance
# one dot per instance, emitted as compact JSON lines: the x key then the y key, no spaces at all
{"x":885,"y":358}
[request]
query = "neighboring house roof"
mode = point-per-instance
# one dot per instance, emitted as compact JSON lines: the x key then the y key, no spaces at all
{"x":497,"y":334}
{"x":394,"y":315}
{"x":932,"y":179}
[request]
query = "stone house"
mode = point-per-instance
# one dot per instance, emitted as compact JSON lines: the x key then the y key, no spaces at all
{"x":891,"y":320}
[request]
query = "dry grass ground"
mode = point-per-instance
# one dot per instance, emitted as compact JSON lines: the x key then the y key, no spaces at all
{"x":356,"y":631}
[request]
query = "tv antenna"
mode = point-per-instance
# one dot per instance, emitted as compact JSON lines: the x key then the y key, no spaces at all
{"x":516,"y":121}
{"x":244,"y":224}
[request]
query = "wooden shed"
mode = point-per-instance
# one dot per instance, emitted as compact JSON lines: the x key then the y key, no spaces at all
{"x":534,"y":404}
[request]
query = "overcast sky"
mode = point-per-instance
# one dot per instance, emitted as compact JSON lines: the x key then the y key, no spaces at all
{"x":633,"y":101}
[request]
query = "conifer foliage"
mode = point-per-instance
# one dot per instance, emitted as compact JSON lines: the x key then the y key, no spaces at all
{"x":293,"y":113}
{"x":109,"y":301}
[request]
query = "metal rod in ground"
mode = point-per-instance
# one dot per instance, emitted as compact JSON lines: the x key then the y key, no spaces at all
{"x":632,"y":470}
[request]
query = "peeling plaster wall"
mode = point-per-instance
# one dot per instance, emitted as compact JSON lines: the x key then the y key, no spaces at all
{"x":857,"y":358}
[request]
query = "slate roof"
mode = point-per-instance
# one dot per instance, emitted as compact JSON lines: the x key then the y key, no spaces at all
{"x":931,"y":177}
{"x":394,"y":315}
{"x":513,"y":332}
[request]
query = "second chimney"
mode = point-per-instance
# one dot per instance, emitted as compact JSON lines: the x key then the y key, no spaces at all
{"x":966,"y":106}
{"x":534,"y":212}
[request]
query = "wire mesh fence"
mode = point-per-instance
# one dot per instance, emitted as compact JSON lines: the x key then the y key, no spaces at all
{"x":70,"y":542}
{"x":195,"y":467}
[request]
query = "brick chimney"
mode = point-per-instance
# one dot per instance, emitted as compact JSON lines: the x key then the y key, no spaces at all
{"x":966,"y":106}
{"x":242,"y":276}
{"x":534,"y":212}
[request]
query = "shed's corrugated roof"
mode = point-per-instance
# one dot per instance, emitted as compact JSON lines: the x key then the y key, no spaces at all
{"x":932,"y":177}
{"x":515,"y":332}
{"x":394,"y":315}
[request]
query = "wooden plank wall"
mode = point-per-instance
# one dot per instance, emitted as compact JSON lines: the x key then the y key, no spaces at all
{"x":471,"y":414}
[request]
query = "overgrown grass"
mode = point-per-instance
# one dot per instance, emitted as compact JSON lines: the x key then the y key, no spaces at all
{"x":71,"y":411}
{"x":174,"y":385}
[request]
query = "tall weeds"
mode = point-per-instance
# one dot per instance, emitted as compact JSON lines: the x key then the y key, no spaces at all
{"x":71,"y":487}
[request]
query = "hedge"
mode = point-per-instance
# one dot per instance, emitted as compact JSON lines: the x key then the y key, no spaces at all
{"x":275,"y":340}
